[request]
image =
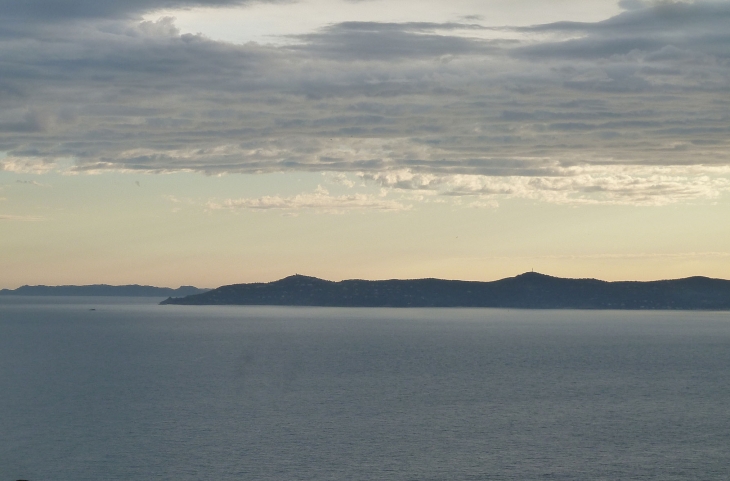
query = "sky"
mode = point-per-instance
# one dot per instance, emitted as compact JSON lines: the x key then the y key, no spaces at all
{"x":210,"y":142}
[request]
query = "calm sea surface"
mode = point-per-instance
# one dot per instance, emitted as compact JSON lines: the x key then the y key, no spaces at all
{"x":134,"y":391}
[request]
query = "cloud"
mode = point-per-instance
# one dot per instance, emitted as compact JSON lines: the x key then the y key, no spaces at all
{"x":633,"y":4}
{"x":30,"y":182}
{"x":29,"y":165}
{"x":319,"y":201}
{"x":28,"y":122}
{"x":574,"y":185}
{"x":643,"y":91}
{"x":699,"y":26}
{"x":45,"y":10}
{"x":19,"y":218}
{"x":339,"y":179}
{"x":379,"y":41}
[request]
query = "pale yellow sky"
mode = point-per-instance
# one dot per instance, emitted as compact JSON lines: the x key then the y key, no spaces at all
{"x":83,"y":229}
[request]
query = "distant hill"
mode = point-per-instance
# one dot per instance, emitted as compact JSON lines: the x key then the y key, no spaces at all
{"x":103,"y":290}
{"x":528,"y":291}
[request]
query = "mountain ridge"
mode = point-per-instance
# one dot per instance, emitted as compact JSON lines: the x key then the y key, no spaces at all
{"x":530,"y":290}
{"x":129,"y":290}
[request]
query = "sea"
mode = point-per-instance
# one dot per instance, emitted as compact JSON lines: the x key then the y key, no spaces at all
{"x":125,"y":389}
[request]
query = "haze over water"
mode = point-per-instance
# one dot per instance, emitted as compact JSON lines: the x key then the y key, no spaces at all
{"x":133,"y":390}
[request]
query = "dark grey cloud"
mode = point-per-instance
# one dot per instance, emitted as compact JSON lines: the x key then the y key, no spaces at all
{"x":647,"y":88}
{"x":55,"y":10}
{"x":375,"y":27}
{"x":700,"y":26}
{"x":31,"y":121}
{"x":632,"y":4}
{"x":380,"y":41}
{"x":700,"y":16}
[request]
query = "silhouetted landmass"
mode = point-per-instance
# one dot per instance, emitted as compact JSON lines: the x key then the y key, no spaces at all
{"x":527,"y":291}
{"x":103,"y":290}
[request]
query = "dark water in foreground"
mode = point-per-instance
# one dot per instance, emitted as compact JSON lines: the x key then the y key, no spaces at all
{"x":139,"y":391}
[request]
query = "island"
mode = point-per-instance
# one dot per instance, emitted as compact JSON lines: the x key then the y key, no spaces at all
{"x":133,"y":290}
{"x":530,"y":290}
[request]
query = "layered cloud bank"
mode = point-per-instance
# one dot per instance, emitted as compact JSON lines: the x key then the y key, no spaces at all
{"x":634,"y":109}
